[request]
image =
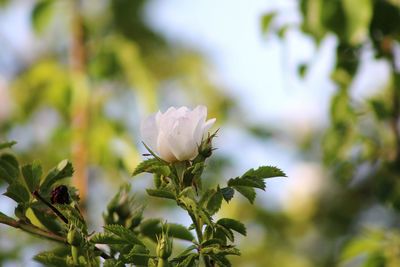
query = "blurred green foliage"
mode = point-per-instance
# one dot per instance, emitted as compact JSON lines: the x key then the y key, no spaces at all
{"x":360,"y":148}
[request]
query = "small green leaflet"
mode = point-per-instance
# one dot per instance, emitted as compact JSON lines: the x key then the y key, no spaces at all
{"x":7,"y":144}
{"x":9,"y":168}
{"x":264,"y":172}
{"x":233,"y":225}
{"x":215,"y":201}
{"x":254,"y":178}
{"x":152,"y":166}
{"x":18,"y":192}
{"x":63,"y":170}
{"x":32,"y":174}
{"x":161,"y":193}
{"x":124,"y":234}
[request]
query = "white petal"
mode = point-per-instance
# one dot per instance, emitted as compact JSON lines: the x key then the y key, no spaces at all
{"x":198,"y":117}
{"x":208,"y":125}
{"x":164,"y":149}
{"x":181,"y":140}
{"x":149,"y":132}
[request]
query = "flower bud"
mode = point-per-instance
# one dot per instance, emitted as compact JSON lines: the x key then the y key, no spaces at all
{"x":164,"y":246}
{"x":74,"y":237}
{"x":60,"y":195}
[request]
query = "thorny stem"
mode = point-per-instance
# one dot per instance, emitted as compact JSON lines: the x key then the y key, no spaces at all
{"x":31,"y":229}
{"x":197,"y":226}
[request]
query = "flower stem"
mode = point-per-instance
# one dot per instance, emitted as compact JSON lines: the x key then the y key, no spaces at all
{"x":162,"y":263}
{"x":199,"y":233}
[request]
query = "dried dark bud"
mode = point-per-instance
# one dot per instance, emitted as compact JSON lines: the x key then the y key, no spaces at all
{"x":60,"y":195}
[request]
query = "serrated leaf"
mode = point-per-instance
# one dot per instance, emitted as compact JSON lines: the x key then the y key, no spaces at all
{"x":50,"y":259}
{"x":233,"y":224}
{"x":222,"y":230}
{"x":138,"y":255}
{"x":247,"y":192}
{"x":162,"y":193}
{"x":124,"y":233}
{"x":264,"y":172}
{"x":247,"y":181}
{"x":106,"y":238}
{"x":113,"y":263}
{"x":218,"y":250}
{"x":184,"y":253}
{"x":32,"y":174}
{"x":179,"y":231}
{"x":41,"y":15}
{"x":7,"y":144}
{"x":63,"y":170}
{"x":154,"y":166}
{"x":9,"y":168}
{"x":18,"y":192}
{"x":212,"y":242}
{"x":152,"y":227}
{"x":222,"y":261}
{"x":227,"y":193}
{"x":215,"y":202}
{"x":189,"y":260}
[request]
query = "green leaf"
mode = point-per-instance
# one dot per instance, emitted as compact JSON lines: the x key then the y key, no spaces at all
{"x":233,"y":224}
{"x":41,"y":15}
{"x":113,"y":263}
{"x":7,"y":144}
{"x":124,"y":233}
{"x":179,"y":231}
{"x":154,"y":166}
{"x":370,"y":242}
{"x":162,"y":193}
{"x":188,"y":260}
{"x":222,"y":261}
{"x":221,"y":232}
{"x":215,"y":201}
{"x":218,"y":250}
{"x":106,"y":238}
{"x":50,"y":259}
{"x":264,"y":172}
{"x":227,"y":193}
{"x":247,"y":181}
{"x":184,"y":253}
{"x":138,"y":255}
{"x":266,"y":21}
{"x":18,"y":192}
{"x":9,"y":168}
{"x":32,"y":174}
{"x":247,"y":192}
{"x":152,"y":227}
{"x":63,"y":170}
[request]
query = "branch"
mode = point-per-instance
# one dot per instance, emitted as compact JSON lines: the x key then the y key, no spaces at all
{"x":36,"y":231}
{"x":30,"y":228}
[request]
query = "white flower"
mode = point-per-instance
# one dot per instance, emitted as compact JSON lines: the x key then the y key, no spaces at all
{"x":176,"y":134}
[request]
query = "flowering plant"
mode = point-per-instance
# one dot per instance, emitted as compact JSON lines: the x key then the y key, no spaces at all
{"x":179,"y":143}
